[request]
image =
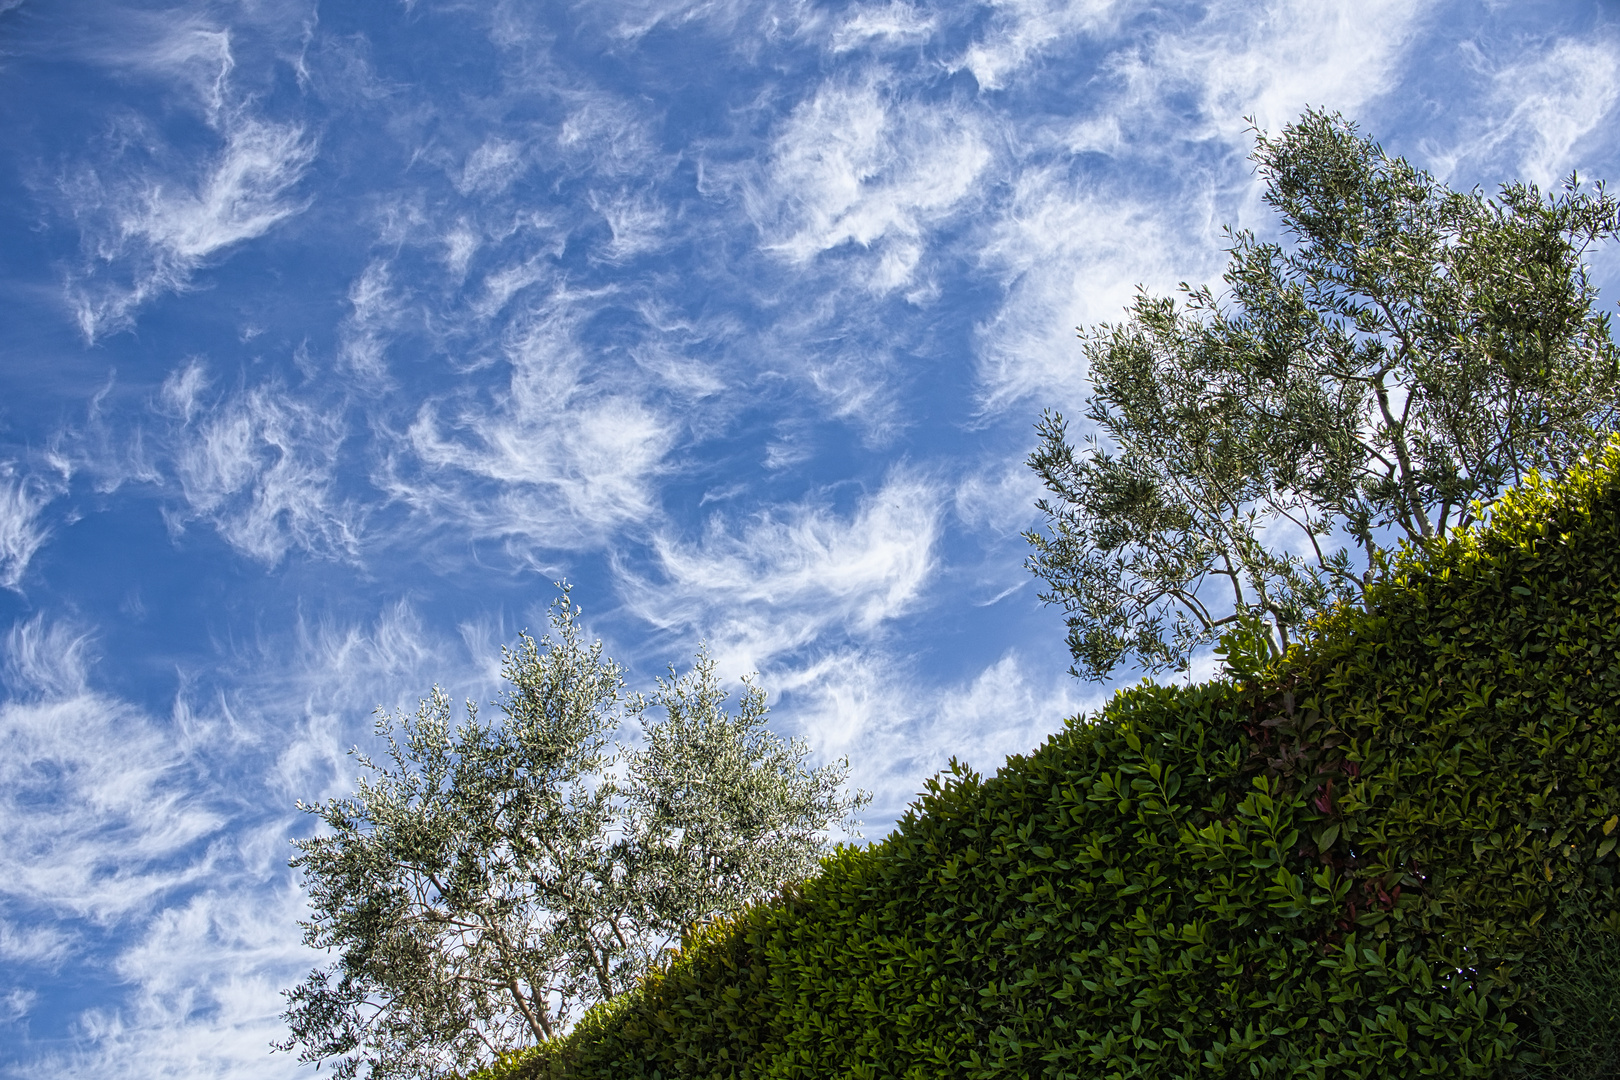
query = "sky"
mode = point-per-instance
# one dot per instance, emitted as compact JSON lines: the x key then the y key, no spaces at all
{"x":332,"y":336}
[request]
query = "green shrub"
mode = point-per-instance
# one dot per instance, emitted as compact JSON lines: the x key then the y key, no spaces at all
{"x":1389,"y":854}
{"x":1576,"y":983}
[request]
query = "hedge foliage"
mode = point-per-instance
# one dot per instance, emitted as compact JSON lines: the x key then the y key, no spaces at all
{"x":1370,"y":860}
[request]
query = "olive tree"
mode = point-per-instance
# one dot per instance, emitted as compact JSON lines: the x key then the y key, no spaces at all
{"x":1381,"y":372}
{"x":722,"y":811}
{"x":488,"y":880}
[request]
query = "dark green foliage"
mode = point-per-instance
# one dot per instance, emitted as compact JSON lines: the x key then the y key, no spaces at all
{"x":1575,"y":979}
{"x":1390,"y":854}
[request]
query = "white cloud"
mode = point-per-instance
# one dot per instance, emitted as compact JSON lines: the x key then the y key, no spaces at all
{"x":16,"y":1003}
{"x":849,"y":371}
{"x":501,"y":285}
{"x":892,"y":24}
{"x":795,"y":574}
{"x":261,"y":467}
{"x":110,"y":818}
{"x":1020,"y":31}
{"x":164,"y":227}
{"x":999,"y":498}
{"x":149,"y":229}
{"x":1071,"y":252}
{"x":175,"y":835}
{"x":46,"y":660}
{"x":240,"y":198}
{"x":365,"y":661}
{"x":182,"y":390}
{"x":1006,"y":709}
{"x":1543,"y":108}
{"x":375,"y":309}
{"x":608,"y":136}
{"x":337,"y":675}
{"x":191,"y":55}
{"x":22,"y":498}
{"x":460,"y":244}
{"x":93,"y":797}
{"x":204,"y":981}
{"x":853,"y":166}
{"x":492,"y":168}
{"x":634,"y":18}
{"x":34,"y":946}
{"x":681,"y":375}
{"x":570,"y":456}
{"x":637,"y":222}
{"x":1340,"y":54}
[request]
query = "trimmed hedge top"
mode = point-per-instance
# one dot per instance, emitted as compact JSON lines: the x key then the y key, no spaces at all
{"x":1346,"y":867}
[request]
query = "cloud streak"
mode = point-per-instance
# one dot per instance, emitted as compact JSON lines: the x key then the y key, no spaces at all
{"x":1070,"y":245}
{"x":100,"y":815}
{"x":792,"y":577}
{"x":22,"y":499}
{"x":260,"y":466}
{"x":855,"y":166}
{"x":557,"y":456}
{"x":149,"y":227}
{"x":1021,"y":31}
{"x":1544,"y":105}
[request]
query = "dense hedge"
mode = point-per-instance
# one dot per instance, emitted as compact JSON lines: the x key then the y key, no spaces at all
{"x":1363,"y":864}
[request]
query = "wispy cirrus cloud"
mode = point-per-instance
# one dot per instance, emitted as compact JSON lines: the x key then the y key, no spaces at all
{"x":558,"y":456}
{"x":99,"y":807}
{"x":762,"y":588}
{"x":855,"y":165}
{"x":727,"y":20}
{"x":100,"y":816}
{"x":205,"y":978}
{"x":1342,"y":54}
{"x":998,"y":498}
{"x":171,"y":838}
{"x":150,"y":220}
{"x":889,"y":25}
{"x":375,"y":311}
{"x":38,"y":946}
{"x":22,"y":499}
{"x":338,"y":672}
{"x":260,"y":465}
{"x":1070,"y":255}
{"x":639,"y":223}
{"x":607,"y":136}
{"x":1541,"y":107}
{"x":866,"y":705}
{"x":1019,"y":32}
{"x":492,"y":167}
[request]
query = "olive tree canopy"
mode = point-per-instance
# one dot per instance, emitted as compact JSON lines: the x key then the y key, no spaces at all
{"x":1404,"y":353}
{"x":489,"y":880}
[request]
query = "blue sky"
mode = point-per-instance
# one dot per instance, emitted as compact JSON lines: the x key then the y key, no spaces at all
{"x":331,"y":336}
